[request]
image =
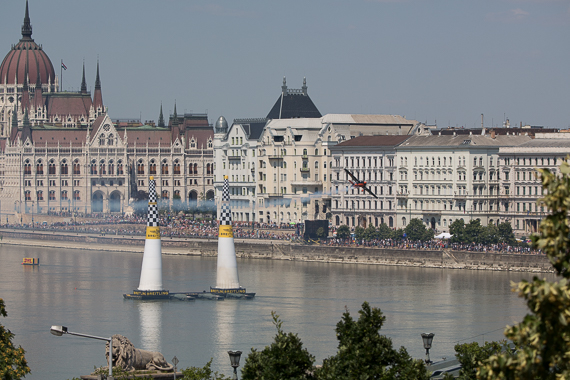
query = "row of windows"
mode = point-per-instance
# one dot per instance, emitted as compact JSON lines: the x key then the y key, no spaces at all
{"x":51,"y":195}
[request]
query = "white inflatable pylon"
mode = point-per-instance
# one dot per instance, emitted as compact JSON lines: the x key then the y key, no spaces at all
{"x":227,"y":275}
{"x":151,"y":271}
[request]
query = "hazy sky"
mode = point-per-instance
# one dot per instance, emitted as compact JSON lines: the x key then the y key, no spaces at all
{"x":444,"y":61}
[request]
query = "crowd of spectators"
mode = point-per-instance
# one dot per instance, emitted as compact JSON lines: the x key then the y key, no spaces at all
{"x":175,"y":226}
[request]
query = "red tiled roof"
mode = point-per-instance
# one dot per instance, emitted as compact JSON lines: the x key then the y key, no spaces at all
{"x":52,"y":137}
{"x":68,"y":104}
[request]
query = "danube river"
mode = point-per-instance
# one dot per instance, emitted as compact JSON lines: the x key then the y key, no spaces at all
{"x":83,"y":290}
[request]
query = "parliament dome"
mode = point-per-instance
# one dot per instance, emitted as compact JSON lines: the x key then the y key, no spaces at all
{"x":26,"y":54}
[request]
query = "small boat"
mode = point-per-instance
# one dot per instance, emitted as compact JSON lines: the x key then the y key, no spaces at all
{"x":31,"y":261}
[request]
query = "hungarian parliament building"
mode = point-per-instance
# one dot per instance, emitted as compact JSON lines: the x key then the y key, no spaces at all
{"x":61,"y":152}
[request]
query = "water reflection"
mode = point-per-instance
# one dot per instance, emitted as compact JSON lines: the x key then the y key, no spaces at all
{"x":150,"y":317}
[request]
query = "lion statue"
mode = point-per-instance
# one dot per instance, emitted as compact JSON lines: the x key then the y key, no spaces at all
{"x":129,"y":358}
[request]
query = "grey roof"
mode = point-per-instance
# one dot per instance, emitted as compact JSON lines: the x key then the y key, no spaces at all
{"x":547,"y":143}
{"x":253,"y":127}
{"x":470,"y":141}
{"x":381,"y":140}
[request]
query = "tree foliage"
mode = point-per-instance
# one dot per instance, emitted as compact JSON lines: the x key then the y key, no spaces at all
{"x":365,"y":354}
{"x":542,"y":339}
{"x":471,"y":356}
{"x":474,"y":232}
{"x":13,"y":364}
{"x":416,"y":230}
{"x":343,"y":232}
{"x":285,"y":358}
{"x":202,"y":373}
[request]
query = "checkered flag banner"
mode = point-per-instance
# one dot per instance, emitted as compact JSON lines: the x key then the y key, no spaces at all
{"x":226,"y":190}
{"x":226,"y":212}
{"x":152,"y":207}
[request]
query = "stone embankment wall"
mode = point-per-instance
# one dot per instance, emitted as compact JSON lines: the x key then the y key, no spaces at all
{"x":283,"y":250}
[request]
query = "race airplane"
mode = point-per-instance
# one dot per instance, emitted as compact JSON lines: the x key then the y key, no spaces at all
{"x":359,"y":184}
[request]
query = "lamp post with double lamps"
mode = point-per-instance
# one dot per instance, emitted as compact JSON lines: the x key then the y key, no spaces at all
{"x":60,"y":330}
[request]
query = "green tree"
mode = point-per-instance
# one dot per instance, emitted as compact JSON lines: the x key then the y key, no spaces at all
{"x":370,"y":233}
{"x":13,"y":364}
{"x":285,"y":358}
{"x":473,"y":232}
{"x":359,"y":233}
{"x":457,"y":229}
{"x":506,"y":234}
{"x":203,"y":373}
{"x":416,"y":230}
{"x":542,"y":339}
{"x":343,"y":232}
{"x":321,"y":233}
{"x":365,"y":354}
{"x":471,"y":355}
{"x":398,"y":234}
{"x":385,"y":232}
{"x":490,"y":235}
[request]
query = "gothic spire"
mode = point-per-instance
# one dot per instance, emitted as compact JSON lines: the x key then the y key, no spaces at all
{"x":161,"y":118}
{"x":83,"y":82}
{"x":175,"y":118}
{"x":97,"y":80}
{"x":27,"y":27}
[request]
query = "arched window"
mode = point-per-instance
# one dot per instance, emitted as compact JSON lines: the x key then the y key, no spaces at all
{"x":111,"y":168}
{"x":164,"y":167}
{"x":27,"y":168}
{"x":176,"y":167}
{"x":76,"y":195}
{"x":102,"y":139}
{"x":64,"y":195}
{"x":40,"y":195}
{"x":63,"y":168}
{"x":152,"y":167}
{"x":28,"y":195}
{"x":51,"y":195}
{"x":51,"y":167}
{"x":164,"y":195}
{"x":140,"y":167}
{"x":102,"y":168}
{"x":316,"y":164}
{"x":76,"y":167}
{"x":120,"y":167}
{"x":40,"y":167}
{"x":195,"y":169}
{"x":93,"y":167}
{"x":110,"y":140}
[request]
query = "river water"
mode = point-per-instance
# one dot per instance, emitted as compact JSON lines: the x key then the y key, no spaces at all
{"x":83,"y":290}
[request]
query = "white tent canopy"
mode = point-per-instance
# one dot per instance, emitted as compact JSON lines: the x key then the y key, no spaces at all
{"x":443,"y":235}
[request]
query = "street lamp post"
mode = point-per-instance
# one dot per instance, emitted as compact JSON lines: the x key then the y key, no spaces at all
{"x":427,"y":339}
{"x":234,"y":359}
{"x":32,"y":215}
{"x":60,"y":330}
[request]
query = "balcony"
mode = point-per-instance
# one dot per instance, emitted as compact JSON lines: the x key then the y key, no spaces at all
{"x":402,"y":194}
{"x":273,"y":195}
{"x":275,"y":157}
{"x":457,"y":195}
{"x":306,"y":183}
{"x":234,"y":157}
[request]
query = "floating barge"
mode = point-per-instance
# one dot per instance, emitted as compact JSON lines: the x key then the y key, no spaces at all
{"x":31,"y":261}
{"x":214,"y":295}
